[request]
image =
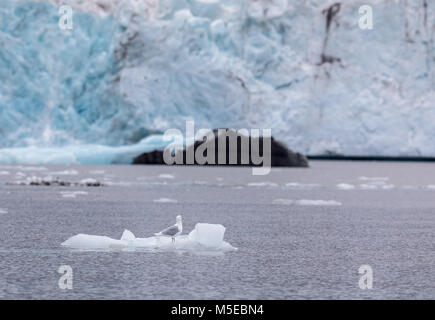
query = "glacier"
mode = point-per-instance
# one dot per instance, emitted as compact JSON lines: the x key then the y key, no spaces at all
{"x":131,"y":69}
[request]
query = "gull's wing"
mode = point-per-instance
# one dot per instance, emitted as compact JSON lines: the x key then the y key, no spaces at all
{"x":171,"y":231}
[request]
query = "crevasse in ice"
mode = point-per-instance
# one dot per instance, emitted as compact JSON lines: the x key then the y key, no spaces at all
{"x":205,"y":237}
{"x":130,"y":68}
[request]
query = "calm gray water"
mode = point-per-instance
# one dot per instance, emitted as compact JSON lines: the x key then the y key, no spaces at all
{"x":285,"y":251}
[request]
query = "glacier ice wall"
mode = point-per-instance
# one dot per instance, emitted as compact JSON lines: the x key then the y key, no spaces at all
{"x":59,"y":87}
{"x":303,"y":68}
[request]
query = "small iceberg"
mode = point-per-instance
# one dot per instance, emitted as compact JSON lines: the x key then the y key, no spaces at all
{"x":305,"y":202}
{"x":166,"y":176}
{"x":165,"y":200}
{"x":345,"y":186}
{"x":204,"y":238}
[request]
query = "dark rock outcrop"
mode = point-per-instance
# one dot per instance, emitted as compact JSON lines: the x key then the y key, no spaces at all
{"x":153,"y":157}
{"x":281,"y":156}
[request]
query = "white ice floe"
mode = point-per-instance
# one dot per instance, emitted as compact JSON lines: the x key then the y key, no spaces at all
{"x":205,"y":237}
{"x":73,"y":194}
{"x":306,"y":202}
{"x":3,"y":211}
{"x":302,"y":185}
{"x":345,"y":186}
{"x":165,"y":200}
{"x":65,"y":173}
{"x":262,"y":184}
{"x":373,"y":178}
{"x":166,"y":176}
{"x":4,"y":173}
{"x":431,"y":187}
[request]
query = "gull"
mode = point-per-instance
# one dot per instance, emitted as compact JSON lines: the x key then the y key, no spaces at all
{"x":173,"y":231}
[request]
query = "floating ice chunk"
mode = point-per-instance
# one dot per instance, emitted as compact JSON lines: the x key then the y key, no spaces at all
{"x":205,"y":237}
{"x":305,"y":202}
{"x":302,"y":185}
{"x":3,"y":211}
{"x":85,"y":241}
{"x":431,"y":187}
{"x":388,"y":186}
{"x":166,"y":176}
{"x":127,"y":235}
{"x":345,"y":186}
{"x":4,"y":173}
{"x":209,"y":235}
{"x":72,"y":194}
{"x":68,"y":195}
{"x":262,"y":184}
{"x":165,"y":200}
{"x":373,"y":178}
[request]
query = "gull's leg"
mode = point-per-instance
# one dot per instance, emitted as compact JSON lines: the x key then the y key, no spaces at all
{"x":173,"y":239}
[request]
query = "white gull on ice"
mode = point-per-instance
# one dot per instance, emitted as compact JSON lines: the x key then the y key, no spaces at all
{"x":174,"y":230}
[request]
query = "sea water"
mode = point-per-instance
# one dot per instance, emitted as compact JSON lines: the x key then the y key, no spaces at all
{"x":285,"y":249}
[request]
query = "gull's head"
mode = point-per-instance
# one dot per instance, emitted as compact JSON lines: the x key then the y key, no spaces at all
{"x":179,"y":219}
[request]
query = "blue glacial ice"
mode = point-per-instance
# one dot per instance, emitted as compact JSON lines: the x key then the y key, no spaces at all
{"x":130,"y":69}
{"x":81,"y":153}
